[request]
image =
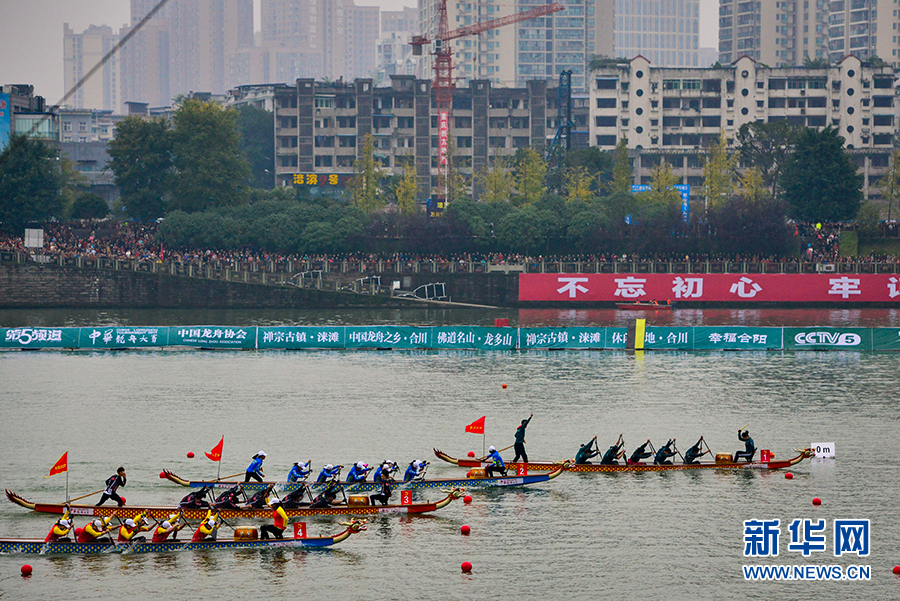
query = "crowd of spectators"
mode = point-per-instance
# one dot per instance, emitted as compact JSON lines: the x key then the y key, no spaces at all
{"x":127,"y":240}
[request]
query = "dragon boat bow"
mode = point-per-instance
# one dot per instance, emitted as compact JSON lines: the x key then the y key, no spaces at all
{"x":640,"y":467}
{"x":161,"y":513}
{"x":33,"y":546}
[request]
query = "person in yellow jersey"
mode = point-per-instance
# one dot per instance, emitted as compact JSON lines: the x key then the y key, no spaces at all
{"x":208,"y":528}
{"x":60,"y":530}
{"x":279,"y":518}
{"x":132,"y":527}
{"x":168,"y":527}
{"x":95,"y":529}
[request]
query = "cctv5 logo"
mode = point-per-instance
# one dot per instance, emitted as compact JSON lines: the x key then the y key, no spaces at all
{"x":828,"y":338}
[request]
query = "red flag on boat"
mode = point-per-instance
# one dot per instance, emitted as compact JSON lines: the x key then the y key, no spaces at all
{"x":476,"y":427}
{"x":60,"y":466}
{"x":216,"y":453}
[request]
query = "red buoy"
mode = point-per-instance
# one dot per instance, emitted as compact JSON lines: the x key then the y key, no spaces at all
{"x":465,"y":530}
{"x":469,"y":474}
{"x":471,"y":453}
{"x":788,"y":476}
{"x":897,"y":570}
{"x":817,"y":501}
{"x":190,"y":454}
{"x":466,"y":566}
{"x":467,"y":499}
{"x":123,"y":499}
{"x":162,"y":475}
{"x":504,"y":386}
{"x":26,"y":570}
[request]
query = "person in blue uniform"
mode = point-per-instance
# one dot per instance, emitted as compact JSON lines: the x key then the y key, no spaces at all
{"x":749,"y":447}
{"x":520,"y":440}
{"x":663,"y":454}
{"x":695,"y":452}
{"x":586,"y":451}
{"x":254,"y":470}
{"x":384,"y":472}
{"x":640,"y":453}
{"x":496,"y":460}
{"x":613,"y":453}
{"x":328,"y":471}
{"x":415,"y":471}
{"x":299,"y":472}
{"x":358,"y":472}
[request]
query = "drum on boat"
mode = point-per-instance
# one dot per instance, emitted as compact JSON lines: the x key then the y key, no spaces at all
{"x":246,"y":533}
{"x":357,"y":500}
{"x":724,"y":458}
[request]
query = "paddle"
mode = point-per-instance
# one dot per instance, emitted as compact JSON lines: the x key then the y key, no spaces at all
{"x":677,"y":451}
{"x":499,"y":451}
{"x":231,"y":476}
{"x":87,"y":495}
{"x":708,"y":450}
{"x":652,"y":449}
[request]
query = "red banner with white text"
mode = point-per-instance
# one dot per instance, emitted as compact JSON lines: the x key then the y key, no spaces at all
{"x":709,"y":287}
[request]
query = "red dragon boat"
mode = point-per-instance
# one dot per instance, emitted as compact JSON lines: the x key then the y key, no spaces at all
{"x":161,"y":513}
{"x":645,"y":306}
{"x":723,"y":461}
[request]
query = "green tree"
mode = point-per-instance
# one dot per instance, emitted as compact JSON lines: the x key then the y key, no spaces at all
{"x":407,"y":190}
{"x":767,"y":146}
{"x":210,"y":169}
{"x":622,"y":178}
{"x":578,"y":185}
{"x":525,"y":229}
{"x":530,"y":176}
{"x":30,"y":181}
{"x":868,"y":221}
{"x":257,"y":127}
{"x":890,"y":183}
{"x":820,"y":182}
{"x":364,"y":186}
{"x":496,"y":181}
{"x":89,"y":206}
{"x":753,"y":186}
{"x":598,"y":164}
{"x":718,"y":172}
{"x":141,"y":159}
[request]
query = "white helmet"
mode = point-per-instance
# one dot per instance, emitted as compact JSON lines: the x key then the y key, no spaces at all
{"x":211,"y":521}
{"x":491,"y":449}
{"x":98,"y":524}
{"x":262,"y":453}
{"x":65,"y":523}
{"x":166,"y":524}
{"x":360,"y":465}
{"x":130,"y":523}
{"x":329,"y":467}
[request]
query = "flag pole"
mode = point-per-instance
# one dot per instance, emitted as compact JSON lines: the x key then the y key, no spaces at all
{"x":219,"y":469}
{"x":483,"y":437}
{"x":67,"y":480}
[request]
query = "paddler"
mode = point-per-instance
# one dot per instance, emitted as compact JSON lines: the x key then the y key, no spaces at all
{"x":254,"y":470}
{"x":496,"y":460}
{"x":328,"y":472}
{"x":586,"y":451}
{"x":61,"y":528}
{"x":385,"y":471}
{"x":640,"y":453}
{"x":695,"y":452}
{"x":279,"y":518}
{"x":749,"y":447}
{"x":112,"y":484}
{"x":358,"y":472}
{"x":299,"y":472}
{"x":168,"y":527}
{"x":613,"y":453}
{"x":663,"y":454}
{"x":520,"y":440}
{"x":95,"y":529}
{"x":208,"y":528}
{"x":326,"y":498}
{"x":416,"y":470}
{"x":131,"y":527}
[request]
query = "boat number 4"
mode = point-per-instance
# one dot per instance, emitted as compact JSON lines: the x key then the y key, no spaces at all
{"x":823,"y":449}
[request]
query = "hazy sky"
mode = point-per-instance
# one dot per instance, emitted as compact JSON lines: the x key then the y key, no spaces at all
{"x":31,"y":35}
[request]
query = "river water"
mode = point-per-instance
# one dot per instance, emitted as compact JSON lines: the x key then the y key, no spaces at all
{"x":675,"y":535}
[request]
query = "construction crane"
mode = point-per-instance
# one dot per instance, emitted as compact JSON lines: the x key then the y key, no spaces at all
{"x":443,"y":70}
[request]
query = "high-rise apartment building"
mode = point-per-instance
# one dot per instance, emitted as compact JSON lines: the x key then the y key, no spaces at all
{"x":665,"y":32}
{"x":331,"y":39}
{"x":534,"y":49}
{"x":184,"y":48}
{"x":779,"y":33}
{"x":81,"y":51}
{"x":865,"y":28}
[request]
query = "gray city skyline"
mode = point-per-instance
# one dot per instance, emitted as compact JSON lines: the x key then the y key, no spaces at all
{"x":31,"y":35}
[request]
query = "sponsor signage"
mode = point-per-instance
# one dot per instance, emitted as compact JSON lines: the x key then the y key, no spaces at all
{"x":736,"y":338}
{"x":387,"y":337}
{"x":466,"y":337}
{"x":213,"y":336}
{"x":708,"y":287}
{"x":322,"y":180}
{"x":443,"y":136}
{"x":5,"y":120}
{"x":300,"y":337}
{"x":851,"y":339}
{"x":39,"y":337}
{"x":102,"y":338}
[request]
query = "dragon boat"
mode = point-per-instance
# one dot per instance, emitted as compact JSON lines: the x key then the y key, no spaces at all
{"x":644,"y":306}
{"x":356,"y":487}
{"x":33,"y":546}
{"x":161,"y":513}
{"x":723,"y":461}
